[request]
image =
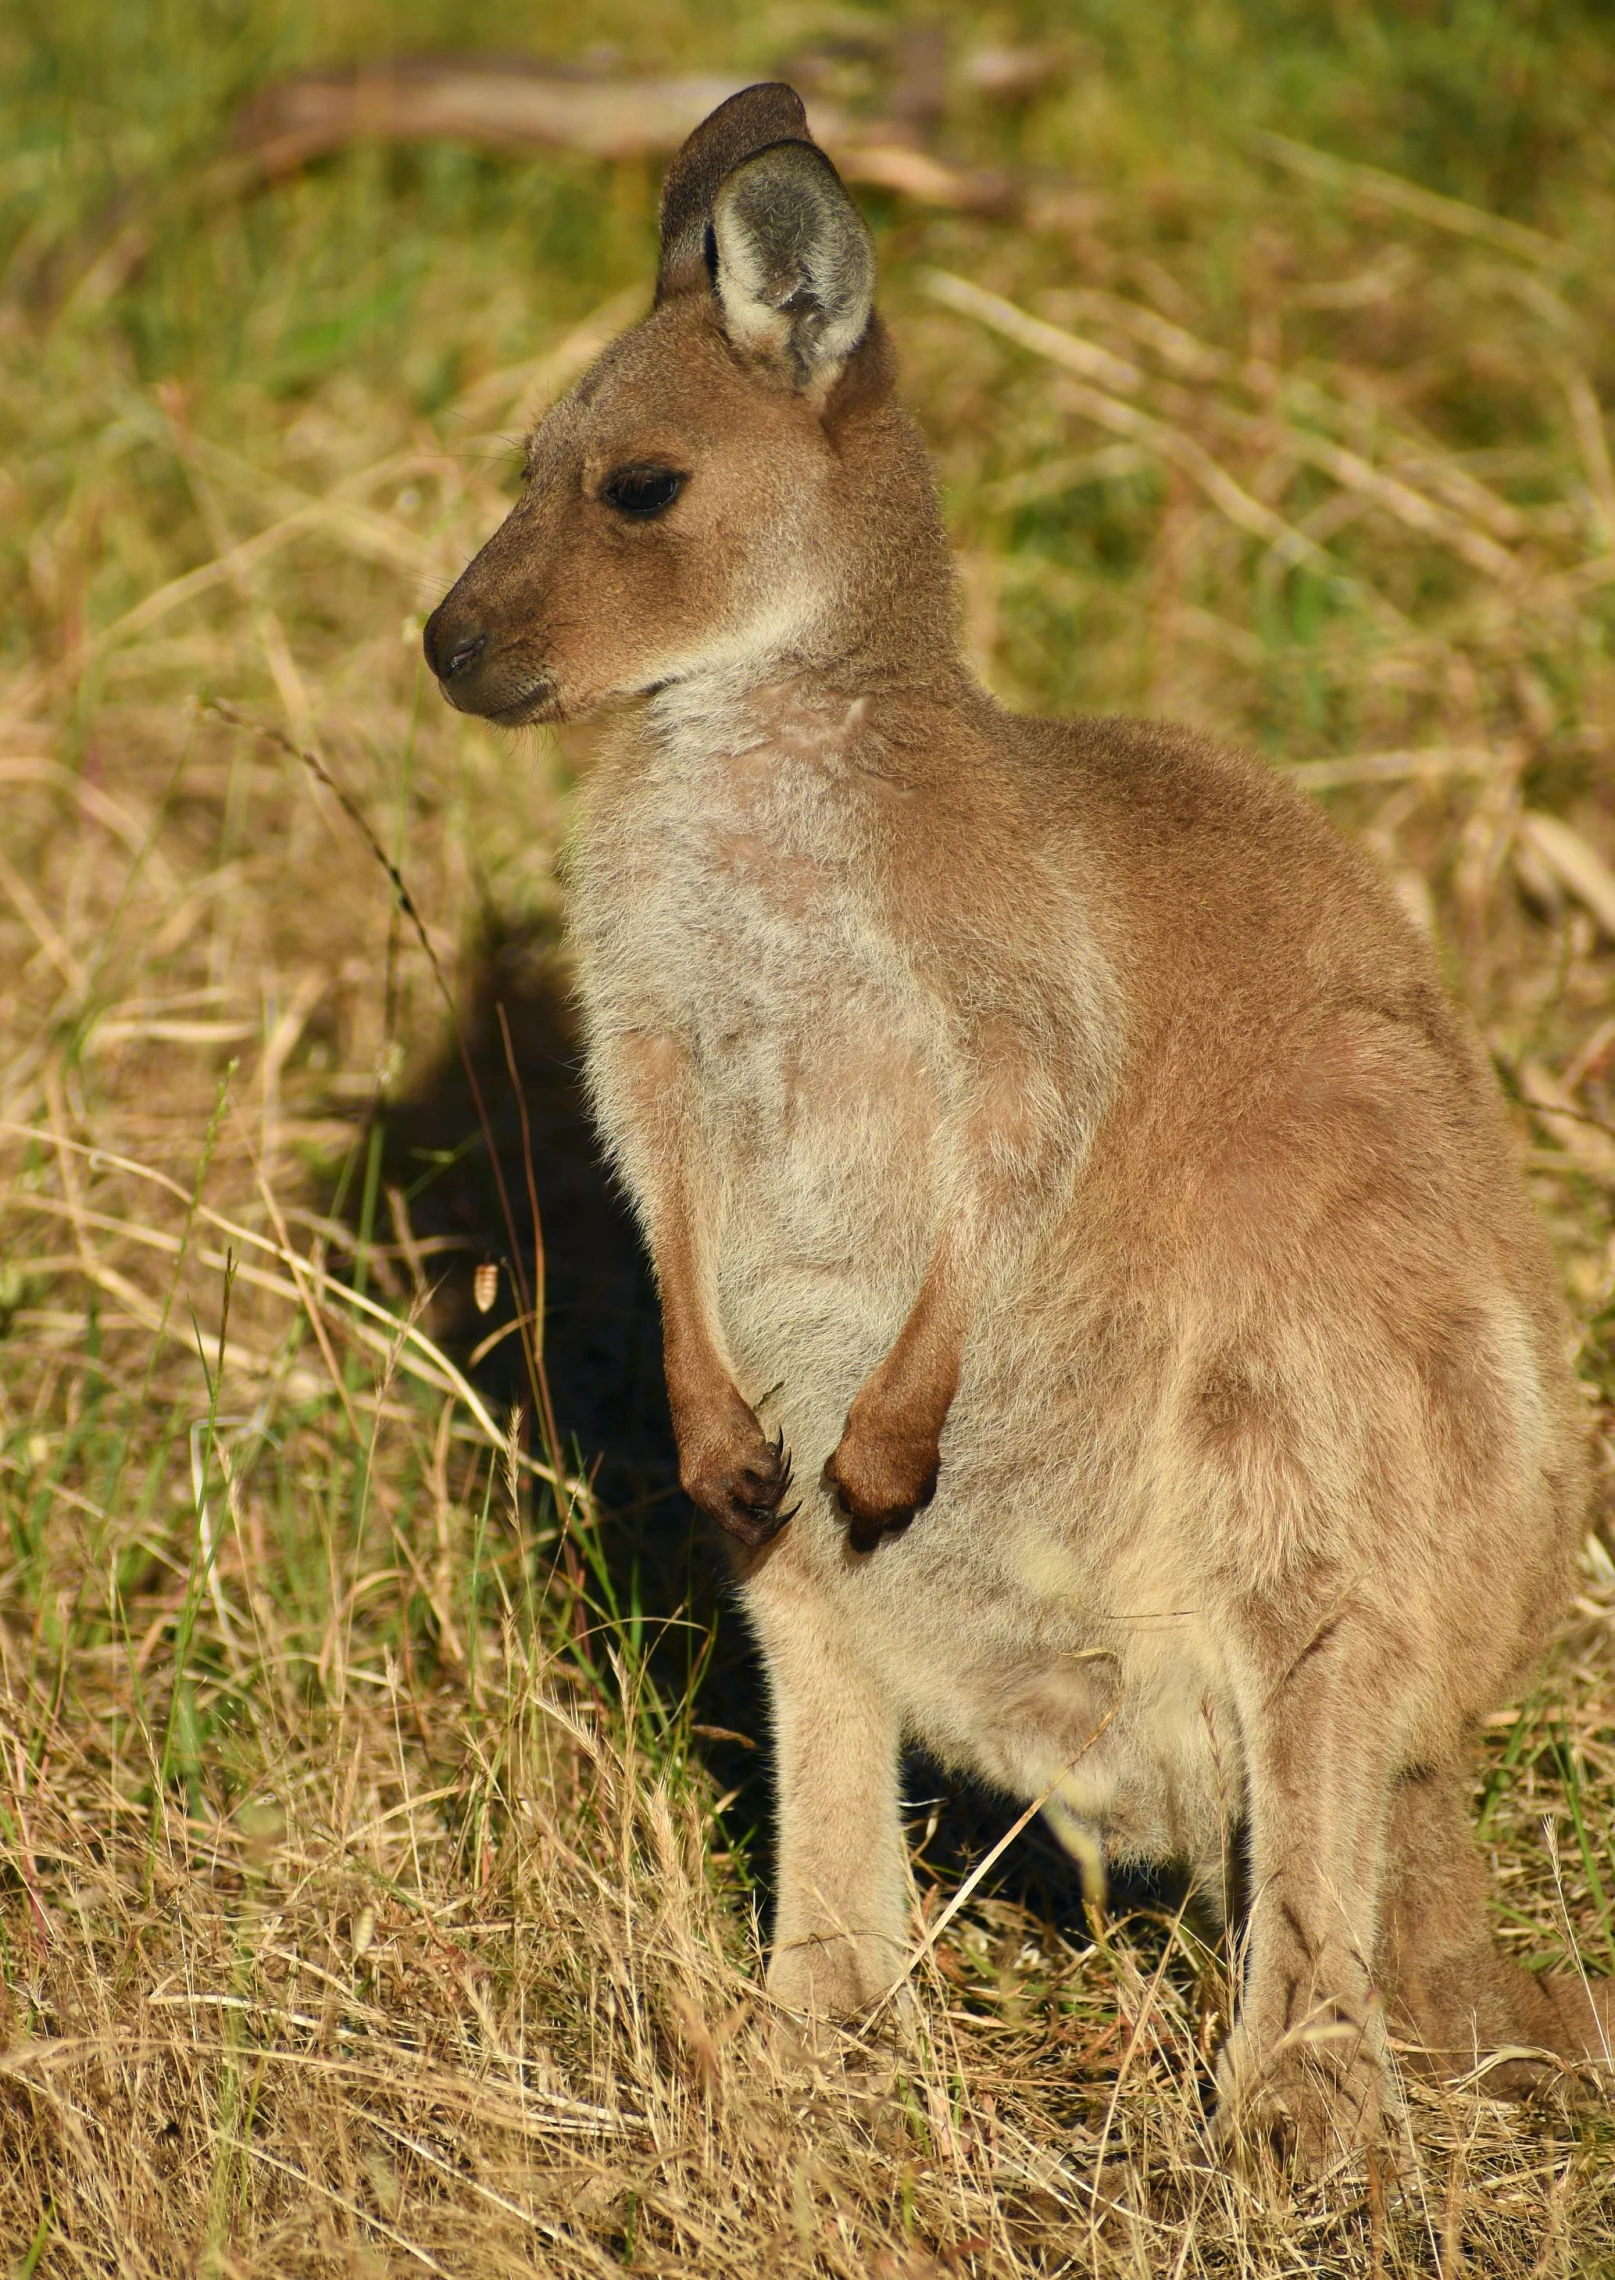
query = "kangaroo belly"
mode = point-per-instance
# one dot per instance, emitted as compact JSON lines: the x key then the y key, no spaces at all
{"x":1032,"y":1651}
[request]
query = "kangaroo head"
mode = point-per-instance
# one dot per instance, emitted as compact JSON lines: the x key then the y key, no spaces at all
{"x":730,"y":488}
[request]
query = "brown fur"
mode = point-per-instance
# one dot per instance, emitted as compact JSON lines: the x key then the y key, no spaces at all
{"x":1051,"y":1140}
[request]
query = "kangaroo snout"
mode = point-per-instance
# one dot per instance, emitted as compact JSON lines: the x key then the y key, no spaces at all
{"x":481,"y":669}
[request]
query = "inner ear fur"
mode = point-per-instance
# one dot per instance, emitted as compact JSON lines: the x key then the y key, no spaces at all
{"x":795,"y":261}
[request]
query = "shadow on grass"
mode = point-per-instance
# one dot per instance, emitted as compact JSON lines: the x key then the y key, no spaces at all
{"x":603,"y":1354}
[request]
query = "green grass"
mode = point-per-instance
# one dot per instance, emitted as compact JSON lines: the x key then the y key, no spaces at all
{"x":383,"y":1835}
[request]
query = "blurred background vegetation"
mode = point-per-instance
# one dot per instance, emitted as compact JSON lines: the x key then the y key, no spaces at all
{"x":382,"y":1822}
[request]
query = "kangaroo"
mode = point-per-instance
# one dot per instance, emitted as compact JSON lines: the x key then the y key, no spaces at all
{"x":1099,"y":1301}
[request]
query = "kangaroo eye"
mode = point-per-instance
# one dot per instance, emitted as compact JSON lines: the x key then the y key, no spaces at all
{"x":641,"y":492}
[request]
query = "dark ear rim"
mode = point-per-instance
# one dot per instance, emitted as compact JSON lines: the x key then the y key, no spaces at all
{"x":754,"y":120}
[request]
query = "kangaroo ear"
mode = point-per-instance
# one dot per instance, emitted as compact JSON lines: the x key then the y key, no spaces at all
{"x":795,"y":261}
{"x":754,"y":120}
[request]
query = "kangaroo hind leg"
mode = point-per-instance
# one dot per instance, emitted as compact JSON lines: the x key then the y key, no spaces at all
{"x":1446,"y":1982}
{"x":1301,"y":2073}
{"x":842,"y":1862}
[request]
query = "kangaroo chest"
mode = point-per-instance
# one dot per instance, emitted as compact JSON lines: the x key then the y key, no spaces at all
{"x":725,"y":899}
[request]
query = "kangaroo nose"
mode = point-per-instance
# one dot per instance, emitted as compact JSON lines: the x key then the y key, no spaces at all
{"x":450,"y":648}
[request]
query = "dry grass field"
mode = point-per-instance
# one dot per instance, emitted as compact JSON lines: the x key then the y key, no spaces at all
{"x":383,"y":1811}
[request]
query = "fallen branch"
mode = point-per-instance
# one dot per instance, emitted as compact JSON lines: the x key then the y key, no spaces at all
{"x":501,"y":103}
{"x":507,"y":104}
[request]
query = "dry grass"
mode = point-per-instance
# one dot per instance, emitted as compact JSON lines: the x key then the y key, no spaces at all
{"x":378,"y":1887}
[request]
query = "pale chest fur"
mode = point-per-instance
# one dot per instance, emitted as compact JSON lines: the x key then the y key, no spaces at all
{"x":721,"y":896}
